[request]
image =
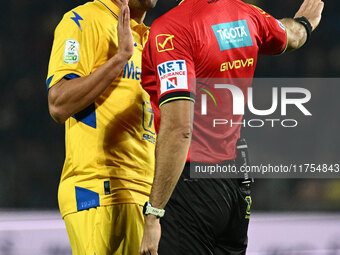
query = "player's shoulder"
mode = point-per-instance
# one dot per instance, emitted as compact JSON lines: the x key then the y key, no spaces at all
{"x":82,"y":15}
{"x":87,"y":10}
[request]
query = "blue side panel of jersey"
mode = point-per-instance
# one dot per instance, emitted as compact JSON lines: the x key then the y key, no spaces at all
{"x":86,"y":199}
{"x":88,"y":115}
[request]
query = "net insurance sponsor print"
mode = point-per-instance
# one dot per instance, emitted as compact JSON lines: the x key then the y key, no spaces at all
{"x":173,"y":75}
{"x":232,"y":35}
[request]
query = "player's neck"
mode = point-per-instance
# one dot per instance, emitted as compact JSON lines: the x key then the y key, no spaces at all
{"x":135,"y":13}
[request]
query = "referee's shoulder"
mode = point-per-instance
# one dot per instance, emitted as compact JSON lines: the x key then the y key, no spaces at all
{"x":172,"y":20}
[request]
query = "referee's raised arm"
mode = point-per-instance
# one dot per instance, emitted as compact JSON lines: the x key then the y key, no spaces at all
{"x":305,"y":21}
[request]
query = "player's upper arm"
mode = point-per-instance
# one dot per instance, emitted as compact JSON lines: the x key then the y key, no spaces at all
{"x":272,"y":33}
{"x":73,"y":48}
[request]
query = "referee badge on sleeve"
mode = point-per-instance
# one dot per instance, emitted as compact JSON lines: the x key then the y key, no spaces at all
{"x":71,"y":52}
{"x":164,"y":42}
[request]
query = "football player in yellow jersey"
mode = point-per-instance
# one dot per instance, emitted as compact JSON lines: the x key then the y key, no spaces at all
{"x":94,"y":87}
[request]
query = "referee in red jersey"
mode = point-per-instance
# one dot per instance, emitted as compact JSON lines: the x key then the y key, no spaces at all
{"x":193,"y":40}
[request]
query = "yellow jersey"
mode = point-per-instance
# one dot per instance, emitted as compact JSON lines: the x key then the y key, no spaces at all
{"x":110,"y":144}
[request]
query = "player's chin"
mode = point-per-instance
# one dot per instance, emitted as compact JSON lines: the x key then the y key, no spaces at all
{"x":148,"y":4}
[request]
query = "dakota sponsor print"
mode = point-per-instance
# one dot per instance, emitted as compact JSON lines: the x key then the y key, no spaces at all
{"x":232,"y":35}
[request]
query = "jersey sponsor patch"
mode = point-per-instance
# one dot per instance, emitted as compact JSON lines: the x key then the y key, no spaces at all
{"x":164,"y":42}
{"x":232,"y":35}
{"x":71,"y":52}
{"x":172,"y":75}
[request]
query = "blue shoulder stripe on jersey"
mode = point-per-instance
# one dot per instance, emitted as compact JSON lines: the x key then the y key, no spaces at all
{"x":86,"y":199}
{"x":67,"y":77}
{"x":48,"y":82}
{"x":87,"y":116}
{"x":76,"y":19}
{"x":71,"y":76}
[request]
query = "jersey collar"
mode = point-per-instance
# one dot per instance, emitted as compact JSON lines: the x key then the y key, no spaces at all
{"x":114,"y":9}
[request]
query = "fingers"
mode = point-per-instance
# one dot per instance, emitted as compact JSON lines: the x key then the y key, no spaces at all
{"x":310,"y":7}
{"x":147,"y":248}
{"x":148,"y":252}
{"x":124,"y":15}
{"x":321,"y":6}
{"x":315,"y":5}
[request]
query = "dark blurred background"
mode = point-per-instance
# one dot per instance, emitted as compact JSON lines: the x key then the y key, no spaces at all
{"x":32,"y":144}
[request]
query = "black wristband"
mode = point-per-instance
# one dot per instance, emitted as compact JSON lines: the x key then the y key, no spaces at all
{"x":305,"y":22}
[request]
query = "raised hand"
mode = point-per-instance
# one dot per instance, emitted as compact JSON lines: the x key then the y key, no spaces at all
{"x":311,"y":9}
{"x":125,"y":38}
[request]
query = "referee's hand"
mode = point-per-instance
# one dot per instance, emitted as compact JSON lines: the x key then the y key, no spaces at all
{"x":311,"y":9}
{"x":151,"y":237}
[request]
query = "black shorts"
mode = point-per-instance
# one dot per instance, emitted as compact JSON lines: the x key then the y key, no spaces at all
{"x":206,"y":216}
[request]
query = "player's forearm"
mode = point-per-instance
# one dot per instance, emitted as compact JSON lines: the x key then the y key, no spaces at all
{"x":68,"y":97}
{"x":296,"y":34}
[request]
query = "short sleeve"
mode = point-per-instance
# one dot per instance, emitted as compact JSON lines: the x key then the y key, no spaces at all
{"x":171,"y":52}
{"x":272,"y":33}
{"x":73,"y":48}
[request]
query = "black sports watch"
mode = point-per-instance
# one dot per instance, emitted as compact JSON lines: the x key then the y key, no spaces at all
{"x":305,"y":22}
{"x":148,"y":209}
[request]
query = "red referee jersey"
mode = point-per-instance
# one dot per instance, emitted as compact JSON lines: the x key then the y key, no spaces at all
{"x":208,"y":39}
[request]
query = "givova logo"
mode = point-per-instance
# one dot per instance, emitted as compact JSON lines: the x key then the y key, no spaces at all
{"x":232,"y":35}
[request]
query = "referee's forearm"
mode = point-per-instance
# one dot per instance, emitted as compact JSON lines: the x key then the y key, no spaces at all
{"x":172,"y":148}
{"x":171,"y":153}
{"x":296,"y":34}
